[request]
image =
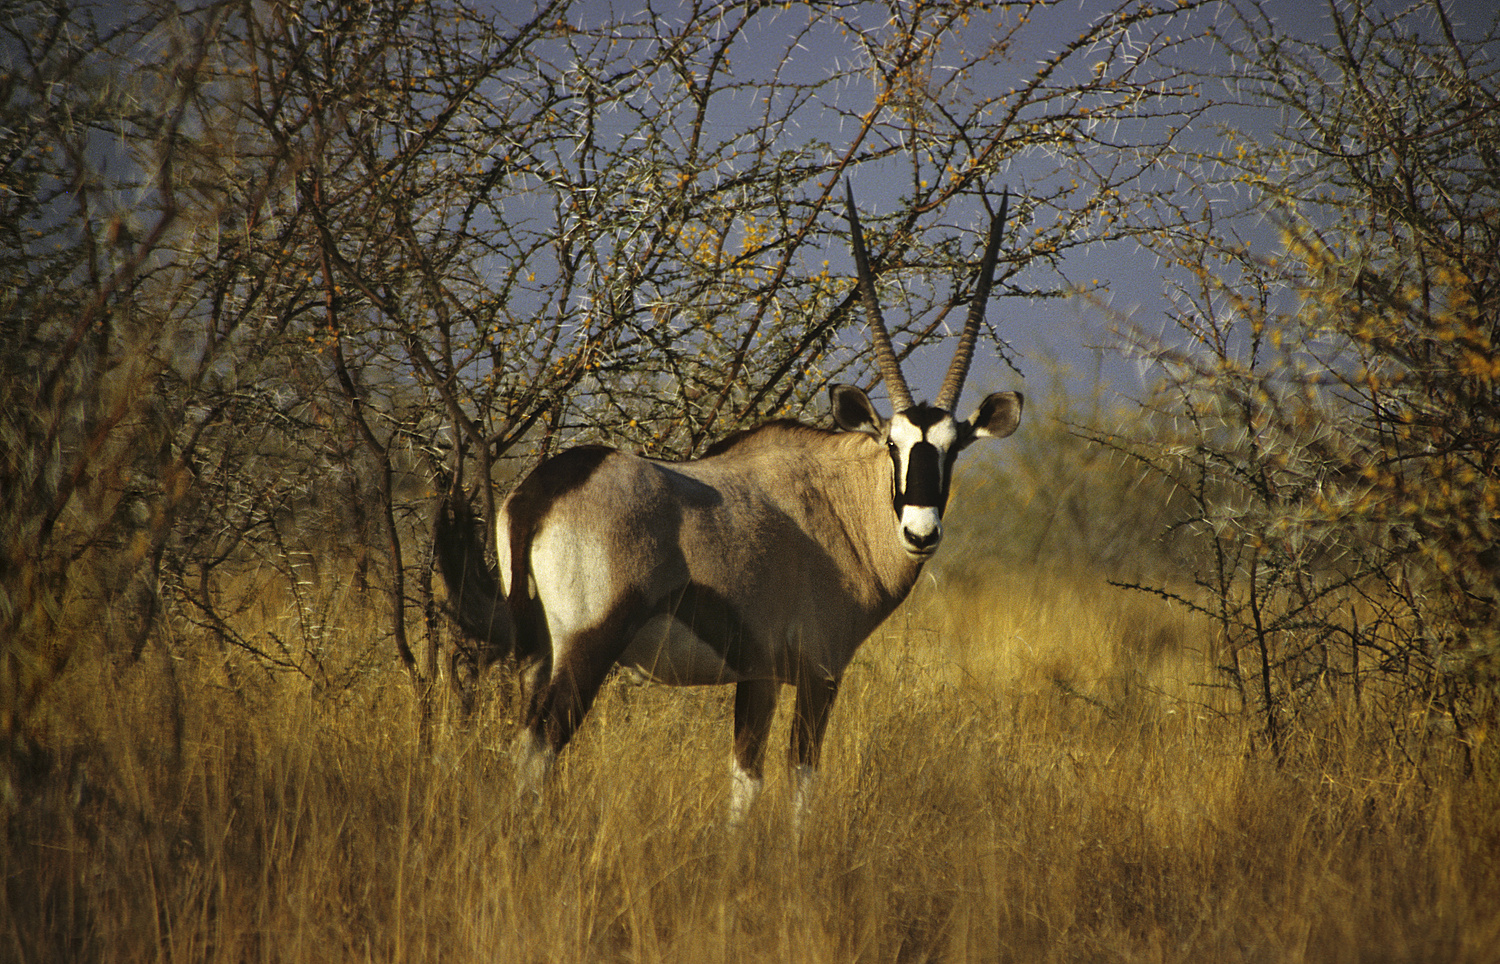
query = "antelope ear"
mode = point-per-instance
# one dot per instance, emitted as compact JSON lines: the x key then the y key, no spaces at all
{"x":997,"y":416}
{"x":853,"y":411}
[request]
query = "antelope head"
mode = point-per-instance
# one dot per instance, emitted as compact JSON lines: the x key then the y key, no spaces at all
{"x":924,"y":439}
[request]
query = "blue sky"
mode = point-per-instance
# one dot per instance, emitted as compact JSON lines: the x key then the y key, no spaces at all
{"x":1066,"y":329}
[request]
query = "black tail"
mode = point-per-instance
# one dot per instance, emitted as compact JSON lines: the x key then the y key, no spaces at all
{"x":474,"y":596}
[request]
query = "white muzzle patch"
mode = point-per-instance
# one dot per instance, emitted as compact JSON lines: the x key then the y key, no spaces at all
{"x":921,"y":529}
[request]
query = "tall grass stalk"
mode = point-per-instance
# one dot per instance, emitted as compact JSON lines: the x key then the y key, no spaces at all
{"x":1020,"y":768}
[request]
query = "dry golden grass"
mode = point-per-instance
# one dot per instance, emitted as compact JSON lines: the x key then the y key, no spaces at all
{"x":1019,"y":769}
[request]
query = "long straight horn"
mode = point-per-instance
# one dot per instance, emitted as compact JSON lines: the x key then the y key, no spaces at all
{"x":959,"y":370}
{"x":885,"y":355}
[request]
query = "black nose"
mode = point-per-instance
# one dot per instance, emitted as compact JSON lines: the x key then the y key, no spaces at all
{"x":923,"y":543}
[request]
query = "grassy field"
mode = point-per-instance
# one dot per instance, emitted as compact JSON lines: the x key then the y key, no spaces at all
{"x":1019,"y":769}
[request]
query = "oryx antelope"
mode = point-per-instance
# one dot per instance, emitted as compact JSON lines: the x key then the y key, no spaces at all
{"x":765,"y":562}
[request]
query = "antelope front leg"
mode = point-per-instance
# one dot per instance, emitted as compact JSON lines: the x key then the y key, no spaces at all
{"x":815,"y":696}
{"x":754,"y":706}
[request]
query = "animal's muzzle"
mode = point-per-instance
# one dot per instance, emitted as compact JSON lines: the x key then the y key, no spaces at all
{"x":920,"y":501}
{"x":921,"y":529}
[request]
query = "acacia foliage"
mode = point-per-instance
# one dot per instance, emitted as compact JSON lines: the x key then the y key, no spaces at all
{"x":278,"y":272}
{"x":1331,"y":393}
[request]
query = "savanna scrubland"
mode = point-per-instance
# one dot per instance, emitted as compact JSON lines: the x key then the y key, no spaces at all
{"x":1205,"y":673}
{"x":1024,"y":766}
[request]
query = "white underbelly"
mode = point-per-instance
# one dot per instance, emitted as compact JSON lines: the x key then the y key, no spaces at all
{"x":668,"y":651}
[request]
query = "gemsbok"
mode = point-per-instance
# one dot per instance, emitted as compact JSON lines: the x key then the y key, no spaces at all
{"x":768,"y":561}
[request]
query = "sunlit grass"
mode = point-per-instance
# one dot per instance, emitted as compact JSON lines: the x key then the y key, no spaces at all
{"x":1020,"y":767}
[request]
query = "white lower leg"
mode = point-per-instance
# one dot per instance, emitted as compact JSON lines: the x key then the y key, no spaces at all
{"x":534,"y":760}
{"x":744,"y":788}
{"x":805,"y":781}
